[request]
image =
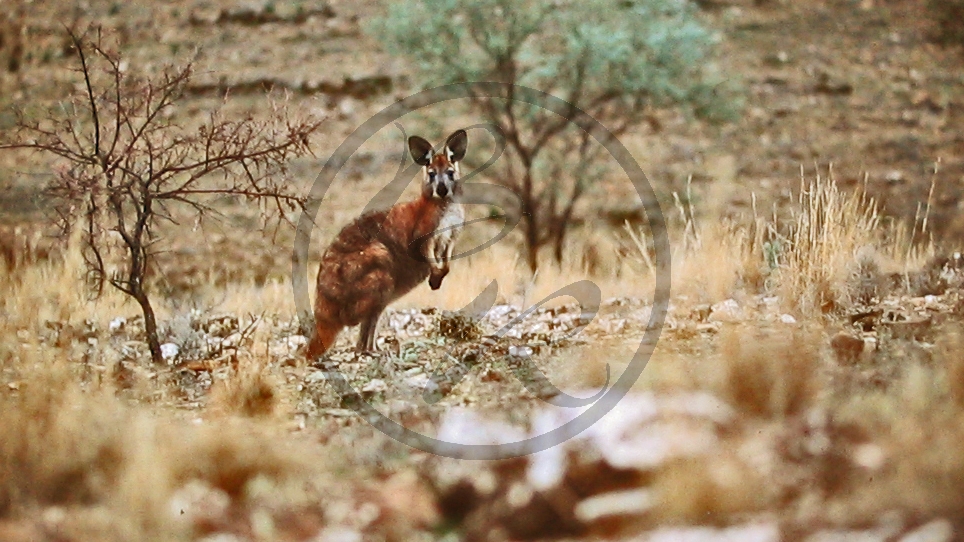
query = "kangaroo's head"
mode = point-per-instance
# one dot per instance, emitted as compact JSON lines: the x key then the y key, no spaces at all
{"x":440,"y":168}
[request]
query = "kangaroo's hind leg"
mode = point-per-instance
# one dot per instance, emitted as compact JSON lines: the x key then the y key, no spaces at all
{"x":366,"y":333}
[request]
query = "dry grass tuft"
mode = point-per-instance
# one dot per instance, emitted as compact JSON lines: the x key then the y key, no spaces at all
{"x":73,"y":446}
{"x":826,"y":231}
{"x":707,"y":490}
{"x":770,"y":373}
{"x":57,"y":444}
{"x":249,"y":391}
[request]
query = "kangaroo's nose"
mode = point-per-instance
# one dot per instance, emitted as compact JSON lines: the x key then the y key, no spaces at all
{"x":441,"y":190}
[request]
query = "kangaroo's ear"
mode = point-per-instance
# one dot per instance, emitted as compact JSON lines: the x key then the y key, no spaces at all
{"x":457,"y":143}
{"x":421,"y":150}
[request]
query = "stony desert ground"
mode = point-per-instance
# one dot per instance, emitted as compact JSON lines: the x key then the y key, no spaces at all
{"x":806,"y":381}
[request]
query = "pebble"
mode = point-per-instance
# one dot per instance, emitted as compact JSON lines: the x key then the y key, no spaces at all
{"x":765,"y":532}
{"x":117,"y":324}
{"x":939,"y":530}
{"x":421,"y":382}
{"x":520,"y":351}
{"x":169,"y":351}
{"x":726,"y":311}
{"x":375,"y":385}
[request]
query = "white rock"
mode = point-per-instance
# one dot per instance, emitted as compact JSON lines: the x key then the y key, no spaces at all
{"x":939,"y":530}
{"x":198,"y":499}
{"x":846,"y":536}
{"x":169,"y":351}
{"x":232,"y":340}
{"x":869,"y":456}
{"x":642,"y":431}
{"x":297,"y":341}
{"x":615,"y":503}
{"x":316,"y":376}
{"x":375,"y":385}
{"x":221,"y":537}
{"x":117,"y":324}
{"x":520,"y":351}
{"x":764,"y":532}
{"x":421,"y":382}
{"x":500,"y":311}
{"x":514,"y":333}
{"x":338,"y":534}
{"x":616,"y":325}
{"x":464,"y":426}
{"x":788,"y":319}
{"x":726,"y":311}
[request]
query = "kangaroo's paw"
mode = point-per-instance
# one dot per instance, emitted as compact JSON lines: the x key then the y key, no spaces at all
{"x":435,"y":279}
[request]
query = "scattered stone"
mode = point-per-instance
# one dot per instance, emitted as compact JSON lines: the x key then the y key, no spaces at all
{"x":938,"y":530}
{"x":339,"y":534}
{"x":846,"y":536}
{"x":615,"y":503}
{"x":520,"y":351}
{"x":787,"y":319}
{"x":169,"y":351}
{"x":375,"y":385}
{"x":727,"y":311}
{"x":764,"y":532}
{"x":894,"y":176}
{"x":464,"y":426}
{"x":117,"y":324}
{"x":421,"y":382}
{"x":869,"y":456}
{"x":198,"y":501}
{"x":640,"y":434}
{"x":316,"y":376}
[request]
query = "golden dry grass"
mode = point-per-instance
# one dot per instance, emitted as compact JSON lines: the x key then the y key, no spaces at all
{"x":106,"y":453}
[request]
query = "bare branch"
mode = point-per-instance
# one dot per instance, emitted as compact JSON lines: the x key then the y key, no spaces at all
{"x":132,"y":164}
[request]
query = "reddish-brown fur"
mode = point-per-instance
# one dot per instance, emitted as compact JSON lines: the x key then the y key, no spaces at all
{"x":372,"y":262}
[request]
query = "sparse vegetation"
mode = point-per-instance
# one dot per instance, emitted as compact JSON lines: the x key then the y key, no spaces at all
{"x":610,"y":61}
{"x":123,"y":164}
{"x":807,"y":383}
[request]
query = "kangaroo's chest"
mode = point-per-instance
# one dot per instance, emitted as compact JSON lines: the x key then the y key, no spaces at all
{"x":450,"y":224}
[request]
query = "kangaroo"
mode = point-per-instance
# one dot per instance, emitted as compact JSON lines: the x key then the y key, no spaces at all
{"x":382,"y":255}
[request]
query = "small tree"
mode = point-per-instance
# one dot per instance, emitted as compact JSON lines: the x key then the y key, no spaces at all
{"x":126,"y":164}
{"x":613,"y":59}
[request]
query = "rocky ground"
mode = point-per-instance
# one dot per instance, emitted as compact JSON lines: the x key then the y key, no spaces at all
{"x":745,"y":461}
{"x":752,"y":421}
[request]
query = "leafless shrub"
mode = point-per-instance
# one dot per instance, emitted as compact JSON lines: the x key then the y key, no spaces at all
{"x":125,"y":164}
